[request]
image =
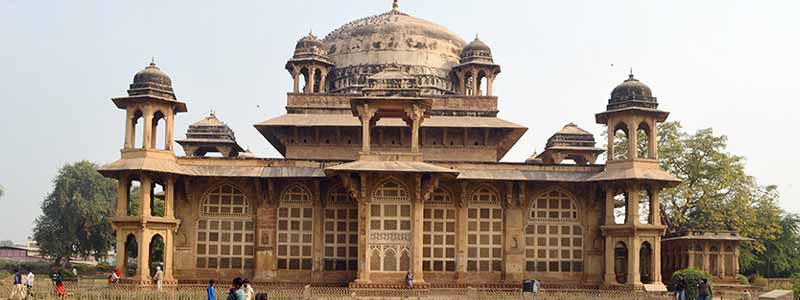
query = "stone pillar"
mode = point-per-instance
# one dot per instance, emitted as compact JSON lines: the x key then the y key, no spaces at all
{"x":417,"y":231}
{"x":169,"y":250}
{"x":169,"y":198}
{"x":322,"y":83}
{"x":145,"y":186}
{"x":721,"y":259}
{"x":609,"y":207}
{"x":514,"y":254}
{"x":318,"y":244}
{"x":655,"y":206}
{"x":706,"y":258}
{"x":632,"y":141}
{"x":652,"y":145}
{"x":610,"y":277}
{"x":129,"y":129}
{"x":122,"y":196}
{"x":633,"y":205}
{"x":363,"y":232}
{"x":143,"y":260}
{"x":735,"y":258}
{"x":690,"y":251}
{"x":634,"y":278}
{"x":474,"y":82}
{"x":295,"y":80}
{"x":170,"y":130}
{"x":461,"y":233}
{"x":415,"y":124}
{"x":656,"y":261}
{"x":610,"y":136}
{"x":265,"y":268}
{"x":122,"y":257}
{"x":309,"y":88}
{"x":147,"y":139}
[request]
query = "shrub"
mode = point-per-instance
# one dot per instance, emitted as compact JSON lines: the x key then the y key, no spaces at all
{"x":692,"y":277}
{"x":742,"y":279}
{"x":760,"y":281}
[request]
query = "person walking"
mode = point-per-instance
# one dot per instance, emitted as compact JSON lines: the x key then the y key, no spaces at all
{"x":158,"y":277}
{"x":680,"y":290}
{"x":236,"y":292}
{"x":29,"y":284}
{"x":212,"y":293}
{"x":248,"y":290}
{"x":60,"y":290}
{"x":75,"y":273}
{"x":410,"y":280}
{"x":16,"y":292}
{"x":703,"y":290}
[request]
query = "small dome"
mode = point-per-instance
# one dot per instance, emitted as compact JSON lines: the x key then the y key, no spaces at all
{"x":152,"y":75}
{"x":631,"y":90}
{"x":310,"y":43}
{"x":476,"y":51}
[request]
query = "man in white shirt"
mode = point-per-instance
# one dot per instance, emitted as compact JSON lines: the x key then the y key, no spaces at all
{"x":158,"y":277}
{"x":29,"y":284}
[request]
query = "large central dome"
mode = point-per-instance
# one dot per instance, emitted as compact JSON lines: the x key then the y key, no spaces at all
{"x":420,"y":48}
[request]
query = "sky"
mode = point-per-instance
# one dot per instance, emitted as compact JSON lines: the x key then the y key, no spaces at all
{"x":729,"y":65}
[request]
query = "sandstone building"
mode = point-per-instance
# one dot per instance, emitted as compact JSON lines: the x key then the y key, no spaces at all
{"x":392,"y":146}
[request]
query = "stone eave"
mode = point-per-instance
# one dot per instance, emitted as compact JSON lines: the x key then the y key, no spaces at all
{"x":602,"y":118}
{"x":123,"y":102}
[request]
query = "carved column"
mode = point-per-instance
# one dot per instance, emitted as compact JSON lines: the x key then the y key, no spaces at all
{"x":129,"y":129}
{"x":609,"y":207}
{"x":145,"y":187}
{"x":417,"y":231}
{"x":610,"y":136}
{"x":655,"y":206}
{"x":706,"y":258}
{"x":461,"y":232}
{"x":143,"y":259}
{"x":634,"y":245}
{"x":610,"y":277}
{"x":318,"y":237}
{"x":122,"y":257}
{"x":265,"y":264}
{"x":169,"y":250}
{"x":296,"y":80}
{"x":363,"y":232}
{"x":514,"y":255}
{"x":322,"y":83}
{"x":656,"y":261}
{"x":147,"y":138}
{"x":474,"y":82}
{"x":633,"y":205}
{"x":169,"y":198}
{"x":169,"y":133}
{"x":365,"y":114}
{"x":122,"y":197}
{"x":632,"y":141}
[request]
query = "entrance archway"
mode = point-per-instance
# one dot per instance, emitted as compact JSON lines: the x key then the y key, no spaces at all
{"x":131,"y":253}
{"x":156,"y":250}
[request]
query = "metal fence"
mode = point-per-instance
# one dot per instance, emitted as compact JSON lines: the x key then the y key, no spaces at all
{"x":45,"y":291}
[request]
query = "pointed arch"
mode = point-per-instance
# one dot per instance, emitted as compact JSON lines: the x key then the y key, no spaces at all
{"x":621,"y":138}
{"x":621,"y":262}
{"x":225,"y":229}
{"x":137,"y":126}
{"x":340,"y":231}
{"x":554,"y":234}
{"x":439,"y":232}
{"x":646,"y":263}
{"x":643,"y":133}
{"x":159,"y":129}
{"x":484,"y":194}
{"x":390,"y":189}
{"x":296,"y":193}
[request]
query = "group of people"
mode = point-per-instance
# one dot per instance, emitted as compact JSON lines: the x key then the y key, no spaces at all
{"x":240,"y":290}
{"x":703,"y":290}
{"x":23,"y":285}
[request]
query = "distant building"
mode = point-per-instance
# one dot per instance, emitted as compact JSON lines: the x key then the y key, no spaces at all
{"x":13,"y":252}
{"x":716,"y":252}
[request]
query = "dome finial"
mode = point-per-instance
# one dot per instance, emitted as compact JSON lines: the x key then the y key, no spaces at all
{"x":153,"y":61}
{"x":476,"y":36}
{"x":395,"y":6}
{"x":630,"y":75}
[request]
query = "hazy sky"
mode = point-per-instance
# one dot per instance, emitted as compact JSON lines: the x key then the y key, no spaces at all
{"x":730,"y":65}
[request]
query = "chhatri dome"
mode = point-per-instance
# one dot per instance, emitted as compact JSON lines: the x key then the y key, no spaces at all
{"x":421,"y":48}
{"x":152,"y":81}
{"x":631,"y":92}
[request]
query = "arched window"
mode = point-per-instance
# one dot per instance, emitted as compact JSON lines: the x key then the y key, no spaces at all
{"x":225,"y":231}
{"x":318,"y":81}
{"x":621,"y":262}
{"x":621,"y":142}
{"x":439,"y":233}
{"x":554,"y":235}
{"x":645,"y":207}
{"x":295,"y":228}
{"x":390,"y":224}
{"x":304,"y":80}
{"x":138,"y":127}
{"x":620,"y":210}
{"x":131,"y":253}
{"x":340,"y":231}
{"x":156,"y":253}
{"x":646,"y":263}
{"x":134,"y":197}
{"x":482,"y":83}
{"x":159,"y":133}
{"x":643,"y":141}
{"x":157,"y":199}
{"x":484,"y":231}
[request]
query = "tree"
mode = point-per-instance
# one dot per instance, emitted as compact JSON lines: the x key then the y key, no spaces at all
{"x":1,"y":191}
{"x":715,"y":193}
{"x":75,"y":215}
{"x":781,"y":258}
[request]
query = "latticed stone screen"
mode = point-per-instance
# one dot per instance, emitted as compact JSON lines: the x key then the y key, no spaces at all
{"x":439,"y":240}
{"x":295,"y":229}
{"x":225,"y":231}
{"x":484,"y":232}
{"x":341,"y":232}
{"x":554,"y":237}
{"x":390,"y":228}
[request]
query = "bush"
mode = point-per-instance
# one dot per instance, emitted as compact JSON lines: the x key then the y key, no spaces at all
{"x":742,"y":279}
{"x":37,"y":267}
{"x":760,"y":281}
{"x":692,"y":277}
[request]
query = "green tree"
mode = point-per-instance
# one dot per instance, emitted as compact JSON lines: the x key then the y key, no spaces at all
{"x":781,"y":257}
{"x":75,"y":215}
{"x":715,"y":193}
{"x":2,"y":190}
